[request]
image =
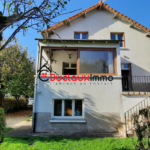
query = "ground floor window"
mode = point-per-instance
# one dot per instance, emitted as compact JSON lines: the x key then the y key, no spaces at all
{"x":68,"y":108}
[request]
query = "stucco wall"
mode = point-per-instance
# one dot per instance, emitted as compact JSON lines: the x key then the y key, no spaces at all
{"x":103,"y":104}
{"x":95,"y":122}
{"x":130,"y":101}
{"x":98,"y":97}
{"x":99,"y":24}
{"x":101,"y":110}
{"x":100,"y":104}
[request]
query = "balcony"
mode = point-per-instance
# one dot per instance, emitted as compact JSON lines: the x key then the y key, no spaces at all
{"x":136,"y":83}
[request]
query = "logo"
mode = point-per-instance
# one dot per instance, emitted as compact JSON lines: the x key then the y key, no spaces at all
{"x":56,"y":77}
{"x":44,"y":69}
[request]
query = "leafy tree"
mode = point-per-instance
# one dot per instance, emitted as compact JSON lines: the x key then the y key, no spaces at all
{"x":25,"y":14}
{"x":16,"y":71}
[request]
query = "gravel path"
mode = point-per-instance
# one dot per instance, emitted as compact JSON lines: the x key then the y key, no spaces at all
{"x":18,"y":122}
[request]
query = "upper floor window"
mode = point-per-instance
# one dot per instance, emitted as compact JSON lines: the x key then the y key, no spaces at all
{"x":81,"y":35}
{"x":118,"y":36}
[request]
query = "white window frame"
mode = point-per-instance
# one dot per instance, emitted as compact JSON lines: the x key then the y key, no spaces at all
{"x":116,"y":37}
{"x":81,"y":35}
{"x":63,"y":107}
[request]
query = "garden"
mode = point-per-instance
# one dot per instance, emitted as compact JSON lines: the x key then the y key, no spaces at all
{"x":8,"y":142}
{"x":61,"y":143}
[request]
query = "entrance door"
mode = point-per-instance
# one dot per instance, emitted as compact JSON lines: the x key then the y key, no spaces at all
{"x":126,"y":77}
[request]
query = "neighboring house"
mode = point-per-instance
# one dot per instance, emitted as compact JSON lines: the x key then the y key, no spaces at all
{"x":7,"y":95}
{"x":97,"y":41}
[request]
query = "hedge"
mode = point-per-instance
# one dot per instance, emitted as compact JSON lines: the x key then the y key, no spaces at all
{"x":3,"y":129}
{"x":10,"y":104}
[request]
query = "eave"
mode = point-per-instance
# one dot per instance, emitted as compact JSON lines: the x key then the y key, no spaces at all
{"x":77,"y":41}
{"x":98,"y":6}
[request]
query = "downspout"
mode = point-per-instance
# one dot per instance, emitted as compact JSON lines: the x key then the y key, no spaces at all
{"x":35,"y":90}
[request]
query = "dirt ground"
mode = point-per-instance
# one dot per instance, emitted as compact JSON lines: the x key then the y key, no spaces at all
{"x":17,"y":121}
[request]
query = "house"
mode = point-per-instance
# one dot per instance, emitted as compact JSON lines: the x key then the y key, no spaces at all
{"x":100,"y":68}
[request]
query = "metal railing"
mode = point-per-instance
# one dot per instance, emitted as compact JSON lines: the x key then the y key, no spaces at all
{"x":129,"y":126}
{"x":136,"y":83}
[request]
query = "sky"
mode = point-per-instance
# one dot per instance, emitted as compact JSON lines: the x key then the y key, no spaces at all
{"x":137,"y":10}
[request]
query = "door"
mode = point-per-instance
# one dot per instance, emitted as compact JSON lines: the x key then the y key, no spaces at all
{"x":126,"y":77}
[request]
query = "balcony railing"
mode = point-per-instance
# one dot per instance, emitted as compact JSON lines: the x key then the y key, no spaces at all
{"x":136,"y":83}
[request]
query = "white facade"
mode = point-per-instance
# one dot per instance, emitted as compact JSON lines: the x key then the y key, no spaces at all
{"x":100,"y":24}
{"x":103,"y":102}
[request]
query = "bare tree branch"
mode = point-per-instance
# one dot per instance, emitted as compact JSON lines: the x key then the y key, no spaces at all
{"x":23,"y":14}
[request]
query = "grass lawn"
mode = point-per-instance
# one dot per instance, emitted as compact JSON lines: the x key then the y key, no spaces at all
{"x":61,"y":143}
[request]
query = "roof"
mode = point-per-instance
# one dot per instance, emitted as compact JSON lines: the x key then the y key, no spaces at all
{"x":100,"y":5}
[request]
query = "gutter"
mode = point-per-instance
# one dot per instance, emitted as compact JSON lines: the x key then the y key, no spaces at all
{"x":78,"y":40}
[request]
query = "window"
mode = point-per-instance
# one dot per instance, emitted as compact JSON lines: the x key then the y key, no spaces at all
{"x":125,"y":66}
{"x":57,"y":107}
{"x":96,"y":61}
{"x":69,"y":68}
{"x":82,"y":35}
{"x":66,"y":64}
{"x":77,"y":35}
{"x":73,"y":65}
{"x":118,"y":36}
{"x":68,"y":108}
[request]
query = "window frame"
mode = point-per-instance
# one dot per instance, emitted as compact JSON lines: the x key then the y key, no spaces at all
{"x":81,"y":32}
{"x":78,"y":59}
{"x":119,"y":33}
{"x":63,"y":108}
{"x":70,"y":63}
{"x":99,"y":49}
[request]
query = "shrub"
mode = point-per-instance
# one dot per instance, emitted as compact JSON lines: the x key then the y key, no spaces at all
{"x":3,"y":129}
{"x":9,"y":104}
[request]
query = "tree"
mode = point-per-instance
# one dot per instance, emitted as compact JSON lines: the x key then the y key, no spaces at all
{"x":25,"y":14}
{"x":16,"y":71}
